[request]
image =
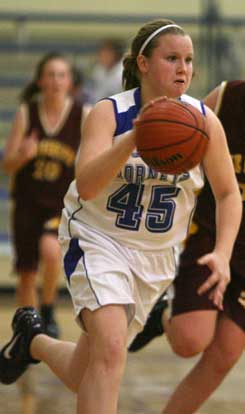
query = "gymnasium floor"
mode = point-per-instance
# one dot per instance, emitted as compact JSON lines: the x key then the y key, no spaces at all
{"x":150,"y":377}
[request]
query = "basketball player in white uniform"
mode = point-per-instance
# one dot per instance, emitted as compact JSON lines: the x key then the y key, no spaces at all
{"x":123,"y":225}
{"x":138,"y":223}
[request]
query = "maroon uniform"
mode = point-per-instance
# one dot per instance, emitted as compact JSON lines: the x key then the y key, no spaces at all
{"x":39,"y":187}
{"x":202,"y":240}
{"x":45,"y":179}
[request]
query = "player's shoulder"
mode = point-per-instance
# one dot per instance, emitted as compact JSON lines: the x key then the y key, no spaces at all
{"x":126,"y":99}
{"x":232,"y":90}
{"x":236,"y":86}
{"x":230,"y":93}
{"x":194,"y":102}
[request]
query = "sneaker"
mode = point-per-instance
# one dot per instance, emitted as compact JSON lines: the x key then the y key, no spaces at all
{"x":50,"y":325}
{"x":153,"y":326}
{"x":15,"y":355}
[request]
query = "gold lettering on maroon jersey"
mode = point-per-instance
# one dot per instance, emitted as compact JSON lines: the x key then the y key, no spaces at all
{"x":52,"y":224}
{"x":242,"y":189}
{"x":56,"y":150}
{"x":47,"y":170}
{"x":241,"y":299}
{"x":239,"y":163}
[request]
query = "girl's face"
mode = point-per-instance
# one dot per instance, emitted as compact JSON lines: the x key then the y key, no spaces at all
{"x":169,"y":70}
{"x":56,"y":78}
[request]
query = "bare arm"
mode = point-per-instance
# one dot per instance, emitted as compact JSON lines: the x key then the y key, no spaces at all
{"x":100,"y":159}
{"x":19,"y":149}
{"x":220,"y":173}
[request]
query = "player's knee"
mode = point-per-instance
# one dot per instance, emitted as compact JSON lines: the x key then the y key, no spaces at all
{"x":51,"y":258}
{"x":49,"y":248}
{"x":112,"y":354}
{"x":188,"y":346}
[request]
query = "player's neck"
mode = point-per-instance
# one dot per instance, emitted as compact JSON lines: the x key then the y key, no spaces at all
{"x":54,"y":105}
{"x":148,"y":94}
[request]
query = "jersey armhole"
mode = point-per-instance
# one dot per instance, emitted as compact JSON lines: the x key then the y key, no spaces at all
{"x":220,"y":97}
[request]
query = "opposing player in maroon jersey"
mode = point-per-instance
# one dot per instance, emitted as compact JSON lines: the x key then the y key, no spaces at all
{"x":40,"y":155}
{"x":196,"y":325}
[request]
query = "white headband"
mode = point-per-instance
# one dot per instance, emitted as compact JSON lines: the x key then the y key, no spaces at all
{"x":153,"y":34}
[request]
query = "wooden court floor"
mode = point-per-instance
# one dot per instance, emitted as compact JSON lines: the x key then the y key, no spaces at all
{"x":150,"y":377}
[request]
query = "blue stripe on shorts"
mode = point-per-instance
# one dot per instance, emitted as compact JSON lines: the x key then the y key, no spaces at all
{"x":72,"y":257}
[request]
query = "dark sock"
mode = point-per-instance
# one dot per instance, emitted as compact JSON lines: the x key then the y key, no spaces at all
{"x":47,"y":311}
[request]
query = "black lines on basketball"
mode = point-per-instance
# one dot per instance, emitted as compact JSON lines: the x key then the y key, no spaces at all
{"x":171,"y":136}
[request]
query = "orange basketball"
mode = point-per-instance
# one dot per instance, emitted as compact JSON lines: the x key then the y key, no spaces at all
{"x":171,"y":136}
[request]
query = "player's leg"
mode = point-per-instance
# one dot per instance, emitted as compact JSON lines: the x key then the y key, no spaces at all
{"x":190,"y":333}
{"x":67,"y":360}
{"x":98,"y":276}
{"x":50,"y":255}
{"x":107,"y":358}
{"x":215,"y":363}
{"x":219,"y":357}
{"x":192,"y":325}
{"x":27,"y":387}
{"x":51,"y":262}
{"x":25,"y":227}
{"x":26,"y":290}
{"x":96,"y":364}
{"x":29,"y":345}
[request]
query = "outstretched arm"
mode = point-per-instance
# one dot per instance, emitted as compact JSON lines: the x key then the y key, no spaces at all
{"x":220,"y":173}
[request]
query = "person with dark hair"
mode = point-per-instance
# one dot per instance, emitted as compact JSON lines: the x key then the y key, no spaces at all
{"x":106,"y":76}
{"x":40,"y":155}
{"x":183,"y":314}
{"x":123,"y":226}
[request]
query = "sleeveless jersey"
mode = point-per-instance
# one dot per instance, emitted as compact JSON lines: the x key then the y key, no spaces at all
{"x":140,"y":208}
{"x":230,"y":110}
{"x":45,"y":179}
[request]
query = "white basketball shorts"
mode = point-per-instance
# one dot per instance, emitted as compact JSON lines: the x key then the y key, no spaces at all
{"x":100,"y":271}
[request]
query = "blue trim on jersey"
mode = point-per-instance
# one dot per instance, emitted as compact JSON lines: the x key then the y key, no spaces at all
{"x":72,"y":257}
{"x":137,"y":97}
{"x":193,"y":101}
{"x":203,"y":108}
{"x":125,"y":119}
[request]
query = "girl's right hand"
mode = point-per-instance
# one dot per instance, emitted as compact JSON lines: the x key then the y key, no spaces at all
{"x":144,"y":108}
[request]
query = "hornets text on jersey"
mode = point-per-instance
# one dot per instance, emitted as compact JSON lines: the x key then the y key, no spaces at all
{"x":141,"y":208}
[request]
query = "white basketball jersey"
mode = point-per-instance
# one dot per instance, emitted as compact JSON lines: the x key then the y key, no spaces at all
{"x":140,"y":208}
